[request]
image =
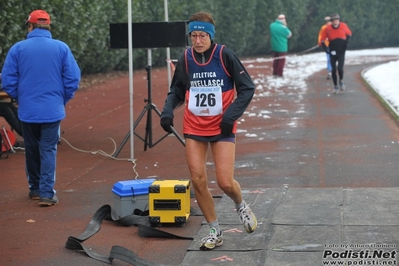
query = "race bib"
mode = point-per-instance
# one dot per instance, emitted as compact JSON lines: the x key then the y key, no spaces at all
{"x":205,"y":101}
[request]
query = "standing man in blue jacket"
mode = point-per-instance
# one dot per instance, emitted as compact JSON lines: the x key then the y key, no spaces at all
{"x":279,"y":34}
{"x":42,"y":75}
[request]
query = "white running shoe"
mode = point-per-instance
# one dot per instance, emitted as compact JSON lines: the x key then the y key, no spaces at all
{"x":336,"y":90}
{"x":247,"y":218}
{"x":341,"y":86}
{"x":212,"y":240}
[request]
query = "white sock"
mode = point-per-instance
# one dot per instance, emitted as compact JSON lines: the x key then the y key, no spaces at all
{"x":242,"y":204}
{"x":215,"y":224}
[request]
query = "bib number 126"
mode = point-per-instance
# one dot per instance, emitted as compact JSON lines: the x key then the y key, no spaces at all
{"x":205,"y":101}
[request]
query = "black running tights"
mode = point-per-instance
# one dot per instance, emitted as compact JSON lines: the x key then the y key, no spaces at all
{"x":340,"y":58}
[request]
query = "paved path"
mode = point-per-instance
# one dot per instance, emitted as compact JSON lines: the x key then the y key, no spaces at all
{"x":321,"y":170}
{"x":333,"y":163}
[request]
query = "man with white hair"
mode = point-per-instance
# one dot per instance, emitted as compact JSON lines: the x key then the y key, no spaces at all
{"x":279,"y":34}
{"x":338,"y":34}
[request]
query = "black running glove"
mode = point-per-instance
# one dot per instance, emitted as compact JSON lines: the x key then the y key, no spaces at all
{"x":166,"y":124}
{"x":227,"y":128}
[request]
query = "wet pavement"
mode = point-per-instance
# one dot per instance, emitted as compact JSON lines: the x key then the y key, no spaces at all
{"x":320,"y":171}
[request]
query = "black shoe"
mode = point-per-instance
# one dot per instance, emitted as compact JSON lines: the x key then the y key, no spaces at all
{"x":34,"y":196}
{"x":48,"y":201}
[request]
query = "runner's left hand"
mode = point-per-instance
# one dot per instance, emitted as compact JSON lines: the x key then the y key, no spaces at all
{"x":227,"y":128}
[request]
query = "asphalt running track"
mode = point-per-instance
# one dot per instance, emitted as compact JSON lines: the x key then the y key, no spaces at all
{"x":298,"y":153}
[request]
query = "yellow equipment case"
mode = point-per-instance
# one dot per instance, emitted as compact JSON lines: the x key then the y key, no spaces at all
{"x":169,"y":201}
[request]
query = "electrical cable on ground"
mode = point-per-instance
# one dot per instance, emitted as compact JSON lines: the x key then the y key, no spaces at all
{"x":103,"y":153}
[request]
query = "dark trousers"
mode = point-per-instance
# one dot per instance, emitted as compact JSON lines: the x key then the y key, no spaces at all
{"x":340,"y":58}
{"x":40,"y":154}
{"x":278,"y":63}
{"x":10,"y":113}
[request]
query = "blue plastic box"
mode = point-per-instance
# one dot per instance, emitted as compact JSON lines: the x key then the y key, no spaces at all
{"x":130,"y":195}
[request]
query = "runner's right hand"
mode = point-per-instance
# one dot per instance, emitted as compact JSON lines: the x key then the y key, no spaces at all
{"x":167,"y":124}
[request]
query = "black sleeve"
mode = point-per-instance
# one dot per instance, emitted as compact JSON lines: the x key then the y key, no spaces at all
{"x":348,"y":37}
{"x":178,"y":86}
{"x":10,"y":113}
{"x":243,"y":83}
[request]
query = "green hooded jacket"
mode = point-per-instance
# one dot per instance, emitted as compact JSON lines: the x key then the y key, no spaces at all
{"x":279,"y":34}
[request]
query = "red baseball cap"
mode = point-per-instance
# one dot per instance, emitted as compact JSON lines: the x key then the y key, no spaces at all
{"x":39,"y":17}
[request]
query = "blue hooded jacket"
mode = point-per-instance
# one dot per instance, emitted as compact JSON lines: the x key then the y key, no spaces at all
{"x":42,"y":75}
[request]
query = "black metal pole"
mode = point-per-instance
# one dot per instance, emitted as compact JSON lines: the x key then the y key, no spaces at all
{"x":149,"y":100}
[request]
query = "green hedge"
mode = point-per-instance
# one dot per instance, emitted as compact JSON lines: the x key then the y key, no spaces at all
{"x":242,"y":25}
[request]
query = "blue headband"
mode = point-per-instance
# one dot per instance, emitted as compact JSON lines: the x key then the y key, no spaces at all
{"x":202,"y":26}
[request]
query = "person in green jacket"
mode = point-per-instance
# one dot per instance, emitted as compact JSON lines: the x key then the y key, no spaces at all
{"x":279,"y":34}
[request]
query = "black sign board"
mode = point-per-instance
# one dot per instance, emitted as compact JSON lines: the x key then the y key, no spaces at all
{"x":150,"y":34}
